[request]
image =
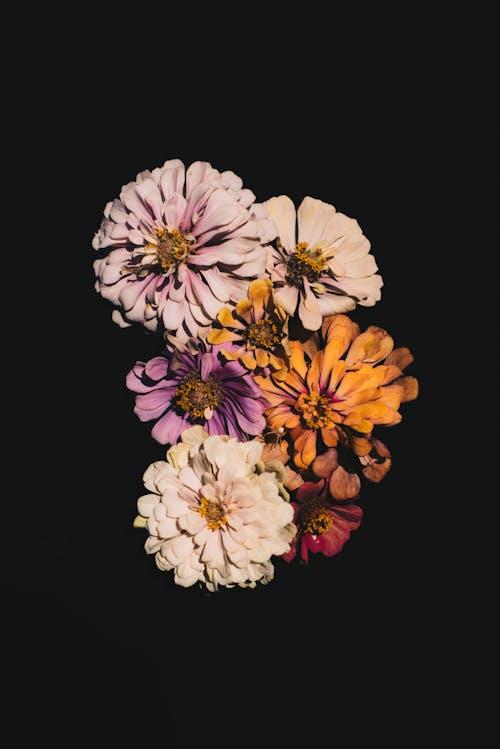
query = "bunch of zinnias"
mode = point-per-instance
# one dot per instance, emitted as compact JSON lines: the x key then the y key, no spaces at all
{"x":266,"y":393}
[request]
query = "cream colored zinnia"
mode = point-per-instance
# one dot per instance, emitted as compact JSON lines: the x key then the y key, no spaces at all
{"x":214,"y":514}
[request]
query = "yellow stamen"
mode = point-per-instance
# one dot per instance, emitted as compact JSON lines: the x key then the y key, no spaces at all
{"x":317,"y":411}
{"x":263,"y":334}
{"x":213,"y":512}
{"x":314,"y":518}
{"x":193,"y":396}
{"x":304,"y":262}
{"x":172,"y":247}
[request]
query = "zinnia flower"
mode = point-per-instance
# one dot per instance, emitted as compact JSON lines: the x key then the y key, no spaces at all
{"x":196,"y":386}
{"x":327,"y":268}
{"x":177,"y":245}
{"x":326,"y":400}
{"x":257,"y":330}
{"x":322,"y":526}
{"x":213,"y":515}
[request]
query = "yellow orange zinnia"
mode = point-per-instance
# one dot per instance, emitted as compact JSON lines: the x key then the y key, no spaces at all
{"x":337,"y":394}
{"x":257,"y":330}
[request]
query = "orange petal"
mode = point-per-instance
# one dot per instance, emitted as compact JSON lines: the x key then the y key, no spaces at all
{"x":222,"y":335}
{"x":407,"y":388}
{"x":244,"y":309}
{"x":390,"y":373}
{"x":344,"y":485}
{"x":306,"y":449}
{"x":311,"y":346}
{"x":295,"y":383}
{"x":376,"y":411}
{"x":262,"y":357}
{"x":277,"y":362}
{"x":225,"y":317}
{"x":361,"y":445}
{"x":281,"y":389}
{"x":359,"y":424}
{"x":309,"y":450}
{"x":297,"y":360}
{"x":356,"y":397}
{"x":249,"y":360}
{"x":330,"y":358}
{"x":277,"y":416}
{"x":370,"y":347}
{"x":330,"y":436}
{"x":232,"y":355}
{"x":363,"y":378}
{"x":259,"y":293}
{"x":314,"y":372}
{"x":336,"y":375}
{"x":341,"y":328}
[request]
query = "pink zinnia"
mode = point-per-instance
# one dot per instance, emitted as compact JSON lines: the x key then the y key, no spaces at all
{"x":323,"y":526}
{"x":177,"y":245}
{"x":197,"y":386}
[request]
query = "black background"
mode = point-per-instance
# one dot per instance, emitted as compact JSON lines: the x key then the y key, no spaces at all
{"x":389,"y":119}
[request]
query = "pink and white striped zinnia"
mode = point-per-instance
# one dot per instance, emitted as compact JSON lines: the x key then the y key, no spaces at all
{"x":177,"y":245}
{"x":323,"y":265}
{"x":214,"y":514}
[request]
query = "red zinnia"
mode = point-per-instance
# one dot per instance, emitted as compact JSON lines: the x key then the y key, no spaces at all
{"x":322,"y":526}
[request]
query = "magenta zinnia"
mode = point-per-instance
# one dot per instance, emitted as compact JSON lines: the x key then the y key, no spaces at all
{"x":176,"y":245}
{"x":196,"y":386}
{"x":322,"y":526}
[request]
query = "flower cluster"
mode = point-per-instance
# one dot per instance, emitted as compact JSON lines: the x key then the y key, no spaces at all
{"x":266,"y":394}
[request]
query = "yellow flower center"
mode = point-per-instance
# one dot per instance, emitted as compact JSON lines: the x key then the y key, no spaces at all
{"x":313,"y":517}
{"x":193,"y":396}
{"x":263,"y":334}
{"x":317,"y":411}
{"x":213,"y":512}
{"x":304,"y":262}
{"x":172,"y":247}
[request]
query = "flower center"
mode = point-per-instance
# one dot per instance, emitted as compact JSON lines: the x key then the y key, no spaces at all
{"x":304,"y":262}
{"x":213,"y":512}
{"x":317,"y":410}
{"x":172,"y":247}
{"x":193,"y":396}
{"x":263,"y":334}
{"x":314,"y":518}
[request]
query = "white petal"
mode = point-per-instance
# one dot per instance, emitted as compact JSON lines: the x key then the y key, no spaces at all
{"x":287,"y":298}
{"x":281,"y":210}
{"x":312,"y":216}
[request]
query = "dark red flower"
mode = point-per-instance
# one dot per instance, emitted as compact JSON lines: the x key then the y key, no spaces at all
{"x":323,"y":526}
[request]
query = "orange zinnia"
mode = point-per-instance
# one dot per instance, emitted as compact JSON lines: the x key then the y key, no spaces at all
{"x":328,"y":399}
{"x":257,"y":330}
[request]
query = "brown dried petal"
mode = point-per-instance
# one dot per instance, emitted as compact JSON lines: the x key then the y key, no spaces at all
{"x":323,"y":465}
{"x":344,"y":485}
{"x":400,"y":357}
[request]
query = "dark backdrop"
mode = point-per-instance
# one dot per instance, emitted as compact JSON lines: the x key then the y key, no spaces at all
{"x":389,"y":120}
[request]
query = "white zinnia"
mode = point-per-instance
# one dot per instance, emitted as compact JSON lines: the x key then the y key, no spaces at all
{"x":322,"y":264}
{"x":214,"y":514}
